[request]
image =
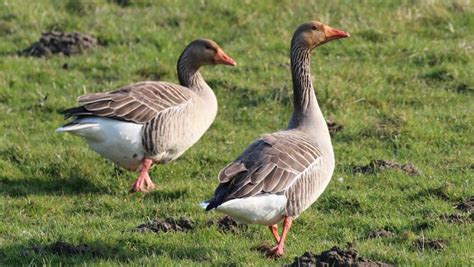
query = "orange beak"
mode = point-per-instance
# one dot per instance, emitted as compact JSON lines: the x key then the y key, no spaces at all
{"x":222,"y":58}
{"x":333,"y":34}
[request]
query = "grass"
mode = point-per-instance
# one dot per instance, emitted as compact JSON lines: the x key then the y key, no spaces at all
{"x":402,"y":86}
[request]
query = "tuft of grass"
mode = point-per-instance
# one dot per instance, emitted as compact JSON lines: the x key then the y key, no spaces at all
{"x":401,"y":87}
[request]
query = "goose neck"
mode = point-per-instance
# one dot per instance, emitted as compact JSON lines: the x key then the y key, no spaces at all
{"x":306,"y":114}
{"x":188,"y":73}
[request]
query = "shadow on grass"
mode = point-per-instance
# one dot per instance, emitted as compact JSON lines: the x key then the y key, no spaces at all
{"x":126,"y":250}
{"x":160,"y":195}
{"x":47,"y":186}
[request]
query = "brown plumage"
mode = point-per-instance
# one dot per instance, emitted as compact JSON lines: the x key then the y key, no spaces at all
{"x":281,"y":174}
{"x":150,"y":122}
{"x":138,"y":103}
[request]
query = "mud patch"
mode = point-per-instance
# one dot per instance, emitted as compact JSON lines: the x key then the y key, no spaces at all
{"x":30,"y":251}
{"x":434,"y":244}
{"x":58,"y":247}
{"x":262,"y":248}
{"x":453,"y":218}
{"x":227,"y":225}
{"x":423,"y":226}
{"x":334,"y":127}
{"x":467,"y":205}
{"x":380,"y":233}
{"x":55,"y":42}
{"x":335,"y":257}
{"x":438,"y":76}
{"x":381,"y":165}
{"x":66,"y":248}
{"x":166,"y":225}
{"x":464,"y":88}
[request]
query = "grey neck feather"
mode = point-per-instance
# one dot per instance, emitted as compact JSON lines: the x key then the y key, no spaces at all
{"x":306,"y":115}
{"x":188,"y":73}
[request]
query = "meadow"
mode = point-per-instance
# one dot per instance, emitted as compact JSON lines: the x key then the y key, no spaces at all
{"x":402,"y":87}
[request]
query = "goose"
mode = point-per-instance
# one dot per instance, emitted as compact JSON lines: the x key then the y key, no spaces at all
{"x":281,"y":174}
{"x":150,"y":122}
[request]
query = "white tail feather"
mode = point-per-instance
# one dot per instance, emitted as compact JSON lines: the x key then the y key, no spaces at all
{"x":75,"y":127}
{"x":204,"y":204}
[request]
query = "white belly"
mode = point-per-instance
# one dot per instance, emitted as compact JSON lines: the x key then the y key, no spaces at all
{"x":265,"y":209}
{"x":115,"y":140}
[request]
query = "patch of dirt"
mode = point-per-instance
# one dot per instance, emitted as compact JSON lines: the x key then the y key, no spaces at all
{"x":65,"y":248}
{"x":262,"y":248}
{"x":30,"y":251}
{"x":335,"y":257}
{"x":435,"y":244}
{"x":166,"y":225}
{"x":452,"y":218}
{"x":467,"y":205}
{"x":380,"y":165}
{"x":67,"y":43}
{"x":58,"y":247}
{"x":423,"y":225}
{"x":379,"y":233}
{"x":228,"y":225}
{"x":334,"y":127}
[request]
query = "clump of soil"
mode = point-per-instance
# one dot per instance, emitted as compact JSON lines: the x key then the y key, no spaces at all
{"x":334,"y":127}
{"x":227,"y":225}
{"x":262,"y":248}
{"x":467,"y":205}
{"x":58,"y":247}
{"x":380,"y":164}
{"x":65,"y":248}
{"x":67,"y":43}
{"x":435,"y":244}
{"x":166,"y":225}
{"x":423,"y":225}
{"x":30,"y":251}
{"x":335,"y":257}
{"x":452,"y":218}
{"x":380,"y":233}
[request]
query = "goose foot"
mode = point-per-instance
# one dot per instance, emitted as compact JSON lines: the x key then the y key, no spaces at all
{"x":278,"y":250}
{"x":275,"y":252}
{"x":143,"y":178}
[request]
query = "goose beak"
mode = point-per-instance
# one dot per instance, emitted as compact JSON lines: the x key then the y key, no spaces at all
{"x":333,"y":33}
{"x":222,"y":58}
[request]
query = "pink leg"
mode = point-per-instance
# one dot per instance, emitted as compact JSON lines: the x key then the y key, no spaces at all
{"x":149,"y":183}
{"x":274,"y":230}
{"x":143,"y":178}
{"x":277,"y":251}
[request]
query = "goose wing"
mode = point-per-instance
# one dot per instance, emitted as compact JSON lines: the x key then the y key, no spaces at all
{"x":271,"y":164}
{"x":138,"y":103}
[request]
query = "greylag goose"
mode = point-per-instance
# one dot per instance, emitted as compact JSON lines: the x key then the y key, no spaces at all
{"x":150,"y":122}
{"x":281,"y":174}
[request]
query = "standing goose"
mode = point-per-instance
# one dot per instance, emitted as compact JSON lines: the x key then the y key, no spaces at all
{"x":281,"y":174}
{"x":150,"y":122}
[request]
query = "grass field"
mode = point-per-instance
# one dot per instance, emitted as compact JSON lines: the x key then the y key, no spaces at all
{"x":402,"y":86}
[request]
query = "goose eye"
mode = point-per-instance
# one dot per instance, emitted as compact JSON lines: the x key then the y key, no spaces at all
{"x":314,"y":28}
{"x":208,"y":47}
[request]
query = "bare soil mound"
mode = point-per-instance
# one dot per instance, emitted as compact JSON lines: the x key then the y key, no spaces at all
{"x":182,"y":224}
{"x":336,"y":257}
{"x":380,"y":165}
{"x":66,"y":43}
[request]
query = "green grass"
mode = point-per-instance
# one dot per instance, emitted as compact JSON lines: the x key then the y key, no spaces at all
{"x":402,"y":86}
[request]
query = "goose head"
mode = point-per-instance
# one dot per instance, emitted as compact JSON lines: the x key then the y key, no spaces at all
{"x":207,"y":52}
{"x":314,"y":33}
